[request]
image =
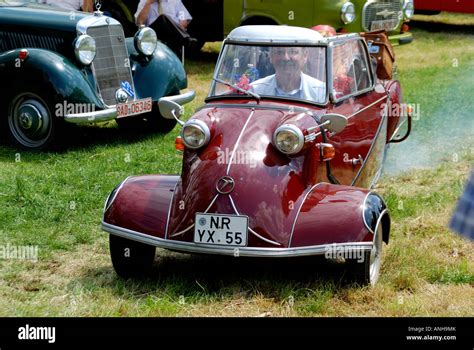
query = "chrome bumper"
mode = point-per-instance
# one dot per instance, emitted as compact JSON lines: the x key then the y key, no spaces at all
{"x":111,"y":113}
{"x":189,"y":247}
{"x":92,"y":117}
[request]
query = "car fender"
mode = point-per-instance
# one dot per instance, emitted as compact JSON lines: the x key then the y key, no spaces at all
{"x":160,"y":75}
{"x":141,"y":204}
{"x":43,"y":70}
{"x":339,"y":214}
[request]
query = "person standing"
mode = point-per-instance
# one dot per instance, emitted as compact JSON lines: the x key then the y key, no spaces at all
{"x":75,"y":5}
{"x":169,"y":19}
{"x":462,"y":220}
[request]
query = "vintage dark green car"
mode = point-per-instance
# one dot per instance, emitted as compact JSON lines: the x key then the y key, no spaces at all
{"x":215,"y":19}
{"x":59,"y":66}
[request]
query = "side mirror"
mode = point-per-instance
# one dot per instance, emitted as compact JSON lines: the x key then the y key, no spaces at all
{"x":334,"y":122}
{"x":170,"y":106}
{"x":170,"y":109}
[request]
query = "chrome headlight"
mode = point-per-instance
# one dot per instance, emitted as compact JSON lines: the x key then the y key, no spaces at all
{"x":85,"y":49}
{"x":288,"y":139}
{"x":195,"y":134}
{"x":408,"y":9}
{"x":145,"y":41}
{"x":348,"y":14}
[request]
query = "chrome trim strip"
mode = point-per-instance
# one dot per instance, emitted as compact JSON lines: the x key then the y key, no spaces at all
{"x":92,"y":117}
{"x":252,"y":231}
{"x":299,"y":209}
{"x":238,"y":141}
{"x":115,"y":195}
{"x":367,"y":107}
{"x":190,"y":227}
{"x":169,"y":209}
{"x":190,"y":247}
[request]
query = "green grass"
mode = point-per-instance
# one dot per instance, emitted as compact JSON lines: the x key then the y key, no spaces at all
{"x":55,"y":200}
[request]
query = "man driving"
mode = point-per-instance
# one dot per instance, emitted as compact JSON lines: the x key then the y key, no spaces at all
{"x":289,"y":79}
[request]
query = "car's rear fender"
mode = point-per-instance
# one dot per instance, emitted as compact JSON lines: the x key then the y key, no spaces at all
{"x":339,"y":214}
{"x":47,"y":71}
{"x":141,"y":204}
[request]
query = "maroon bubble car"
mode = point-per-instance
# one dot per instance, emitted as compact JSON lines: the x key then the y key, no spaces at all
{"x":278,"y":163}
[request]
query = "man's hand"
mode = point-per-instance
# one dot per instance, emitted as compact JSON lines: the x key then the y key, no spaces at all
{"x":184,"y":24}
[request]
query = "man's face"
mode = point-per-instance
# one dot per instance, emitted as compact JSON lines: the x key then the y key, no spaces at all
{"x":288,"y":60}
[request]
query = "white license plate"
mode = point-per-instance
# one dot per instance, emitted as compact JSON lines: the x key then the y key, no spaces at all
{"x":228,"y":230}
{"x":134,"y":108}
{"x":382,"y":24}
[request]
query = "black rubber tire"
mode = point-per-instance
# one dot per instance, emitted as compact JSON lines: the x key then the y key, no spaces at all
{"x":367,"y":271}
{"x":359,"y":271}
{"x":131,"y":259}
{"x":19,"y":137}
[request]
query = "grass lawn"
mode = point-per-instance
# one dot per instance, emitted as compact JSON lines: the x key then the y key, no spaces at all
{"x":54,"y":201}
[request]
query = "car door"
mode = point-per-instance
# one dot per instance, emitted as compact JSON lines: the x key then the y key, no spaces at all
{"x":360,"y":146}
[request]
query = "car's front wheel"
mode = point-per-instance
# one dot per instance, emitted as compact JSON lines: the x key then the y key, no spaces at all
{"x":30,"y":123}
{"x":131,"y":259}
{"x":366,"y":270}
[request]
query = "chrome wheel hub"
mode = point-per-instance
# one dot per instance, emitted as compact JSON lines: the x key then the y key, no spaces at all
{"x":30,"y":121}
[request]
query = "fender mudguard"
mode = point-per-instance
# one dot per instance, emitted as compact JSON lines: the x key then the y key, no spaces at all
{"x":141,"y":204}
{"x":339,"y":214}
{"x":47,"y":71}
{"x":160,"y":75}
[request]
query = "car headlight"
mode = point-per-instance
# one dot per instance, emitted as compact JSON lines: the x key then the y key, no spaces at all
{"x":348,"y":13}
{"x":195,"y":134}
{"x":145,"y":41}
{"x":288,"y":139}
{"x":408,"y":9}
{"x":85,"y":49}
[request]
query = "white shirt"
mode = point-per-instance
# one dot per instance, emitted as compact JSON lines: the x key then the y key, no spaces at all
{"x":66,"y":4}
{"x":172,"y":8}
{"x":310,"y":89}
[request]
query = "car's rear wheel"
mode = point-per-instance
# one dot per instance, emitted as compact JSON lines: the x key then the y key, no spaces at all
{"x":30,"y":122}
{"x":367,"y":271}
{"x":131,"y":259}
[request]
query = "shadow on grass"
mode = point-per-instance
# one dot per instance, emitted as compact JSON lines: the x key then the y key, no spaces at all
{"x":82,"y":138}
{"x":448,"y":28}
{"x":203,"y":277}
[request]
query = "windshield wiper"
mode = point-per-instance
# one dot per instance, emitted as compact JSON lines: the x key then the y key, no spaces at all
{"x":250,"y":93}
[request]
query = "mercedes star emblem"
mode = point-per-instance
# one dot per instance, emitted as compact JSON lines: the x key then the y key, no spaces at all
{"x":225,"y":185}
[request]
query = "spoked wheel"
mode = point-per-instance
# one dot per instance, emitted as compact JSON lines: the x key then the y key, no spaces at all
{"x":131,"y":259}
{"x":367,"y":271}
{"x":31,"y":125}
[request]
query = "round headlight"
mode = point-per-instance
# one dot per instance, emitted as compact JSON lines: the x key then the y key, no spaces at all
{"x":195,"y":134}
{"x":288,"y":139}
{"x":145,"y":41}
{"x":408,"y":9}
{"x":85,"y":49}
{"x":348,"y":13}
